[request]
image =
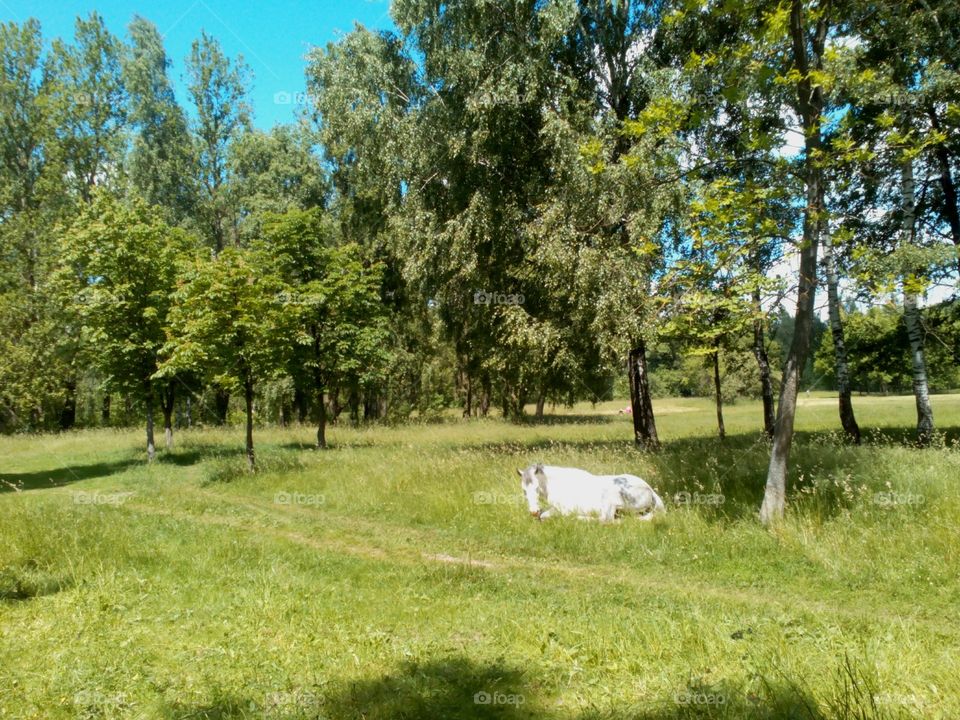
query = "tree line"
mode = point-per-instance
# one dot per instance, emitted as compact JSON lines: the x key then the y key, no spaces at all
{"x":490,"y":205}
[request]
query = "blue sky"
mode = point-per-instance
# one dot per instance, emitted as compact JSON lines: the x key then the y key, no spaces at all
{"x":273,"y":37}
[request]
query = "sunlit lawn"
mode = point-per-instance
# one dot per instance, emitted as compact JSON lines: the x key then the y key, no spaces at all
{"x":398,"y":575}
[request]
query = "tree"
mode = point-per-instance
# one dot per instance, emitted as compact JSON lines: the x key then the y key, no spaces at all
{"x":898,"y":86}
{"x":273,"y":172}
{"x":605,"y":52}
{"x":464,"y":226}
{"x":228,"y":324}
{"x":160,"y":160}
{"x":90,"y":107}
{"x":333,"y":299}
{"x":32,"y":202}
{"x":808,"y":28}
{"x":121,"y":260}
{"x":217,"y":87}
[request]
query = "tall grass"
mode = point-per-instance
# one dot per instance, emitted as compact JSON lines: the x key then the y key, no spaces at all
{"x":398,"y":575}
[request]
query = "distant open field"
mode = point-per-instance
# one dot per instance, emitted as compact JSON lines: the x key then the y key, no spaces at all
{"x":398,"y":574}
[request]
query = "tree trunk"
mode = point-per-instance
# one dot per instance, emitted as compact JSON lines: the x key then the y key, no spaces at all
{"x":248,"y":401}
{"x":911,"y":314}
{"x":371,"y":407}
{"x":189,"y":411}
{"x":519,"y":403}
{"x":321,"y":422}
{"x":221,"y":401}
{"x":950,"y":205}
{"x":847,"y":419}
{"x":644,"y":425}
{"x":763,"y":362}
{"x":921,"y":392}
{"x":167,"y":402}
{"x":353,"y":402}
{"x":300,"y":400}
{"x":809,"y":106}
{"x":719,"y":396}
{"x":151,"y":447}
{"x":541,"y":399}
{"x":333,"y":407}
{"x":485,"y":397}
{"x":68,"y":413}
{"x":468,"y":399}
{"x":105,"y":410}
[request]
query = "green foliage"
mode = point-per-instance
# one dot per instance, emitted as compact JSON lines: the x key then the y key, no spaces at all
{"x":880,"y":350}
{"x":272,"y":172}
{"x":217,"y":88}
{"x":89,"y":107}
{"x":331,"y":300}
{"x":160,"y":162}
{"x":227,"y":321}
{"x":118,"y":277}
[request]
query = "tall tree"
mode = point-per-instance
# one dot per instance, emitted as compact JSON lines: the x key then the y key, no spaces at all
{"x":333,"y":297}
{"x":911,"y":310}
{"x":228,"y":325}
{"x":121,"y":262}
{"x":273,"y":172}
{"x":848,"y":419}
{"x":218,"y":88}
{"x":605,"y":50}
{"x":808,"y":26}
{"x":160,"y":159}
{"x":91,"y":103}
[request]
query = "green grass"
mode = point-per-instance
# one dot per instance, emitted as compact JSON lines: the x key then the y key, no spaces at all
{"x":398,"y":574}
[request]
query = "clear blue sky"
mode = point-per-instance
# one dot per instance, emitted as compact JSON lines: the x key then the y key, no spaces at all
{"x":272,"y":36}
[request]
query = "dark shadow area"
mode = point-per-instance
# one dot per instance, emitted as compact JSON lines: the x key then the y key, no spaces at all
{"x":24,"y":583}
{"x":458,"y":689}
{"x":454,"y":688}
{"x":58,"y":477}
{"x":183,"y":458}
{"x":548,"y":419}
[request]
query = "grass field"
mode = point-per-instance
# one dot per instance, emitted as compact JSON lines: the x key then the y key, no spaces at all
{"x":398,"y":574}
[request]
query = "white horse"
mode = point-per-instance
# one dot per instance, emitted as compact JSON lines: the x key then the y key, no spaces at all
{"x":571,"y":491}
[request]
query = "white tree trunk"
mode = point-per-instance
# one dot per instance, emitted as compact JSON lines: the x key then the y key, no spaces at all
{"x":911,"y":313}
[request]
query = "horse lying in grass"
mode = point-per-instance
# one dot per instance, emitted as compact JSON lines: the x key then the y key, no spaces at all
{"x":571,"y":491}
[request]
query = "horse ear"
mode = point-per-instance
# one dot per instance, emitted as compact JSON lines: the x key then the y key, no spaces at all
{"x":519,"y":472}
{"x":538,"y":468}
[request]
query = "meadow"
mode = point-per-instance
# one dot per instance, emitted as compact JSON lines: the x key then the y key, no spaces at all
{"x":398,"y":573}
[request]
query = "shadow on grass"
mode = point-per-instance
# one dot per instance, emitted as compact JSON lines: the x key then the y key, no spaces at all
{"x":547,"y":419}
{"x":26,"y":582}
{"x":459,"y":689}
{"x":58,"y":477}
